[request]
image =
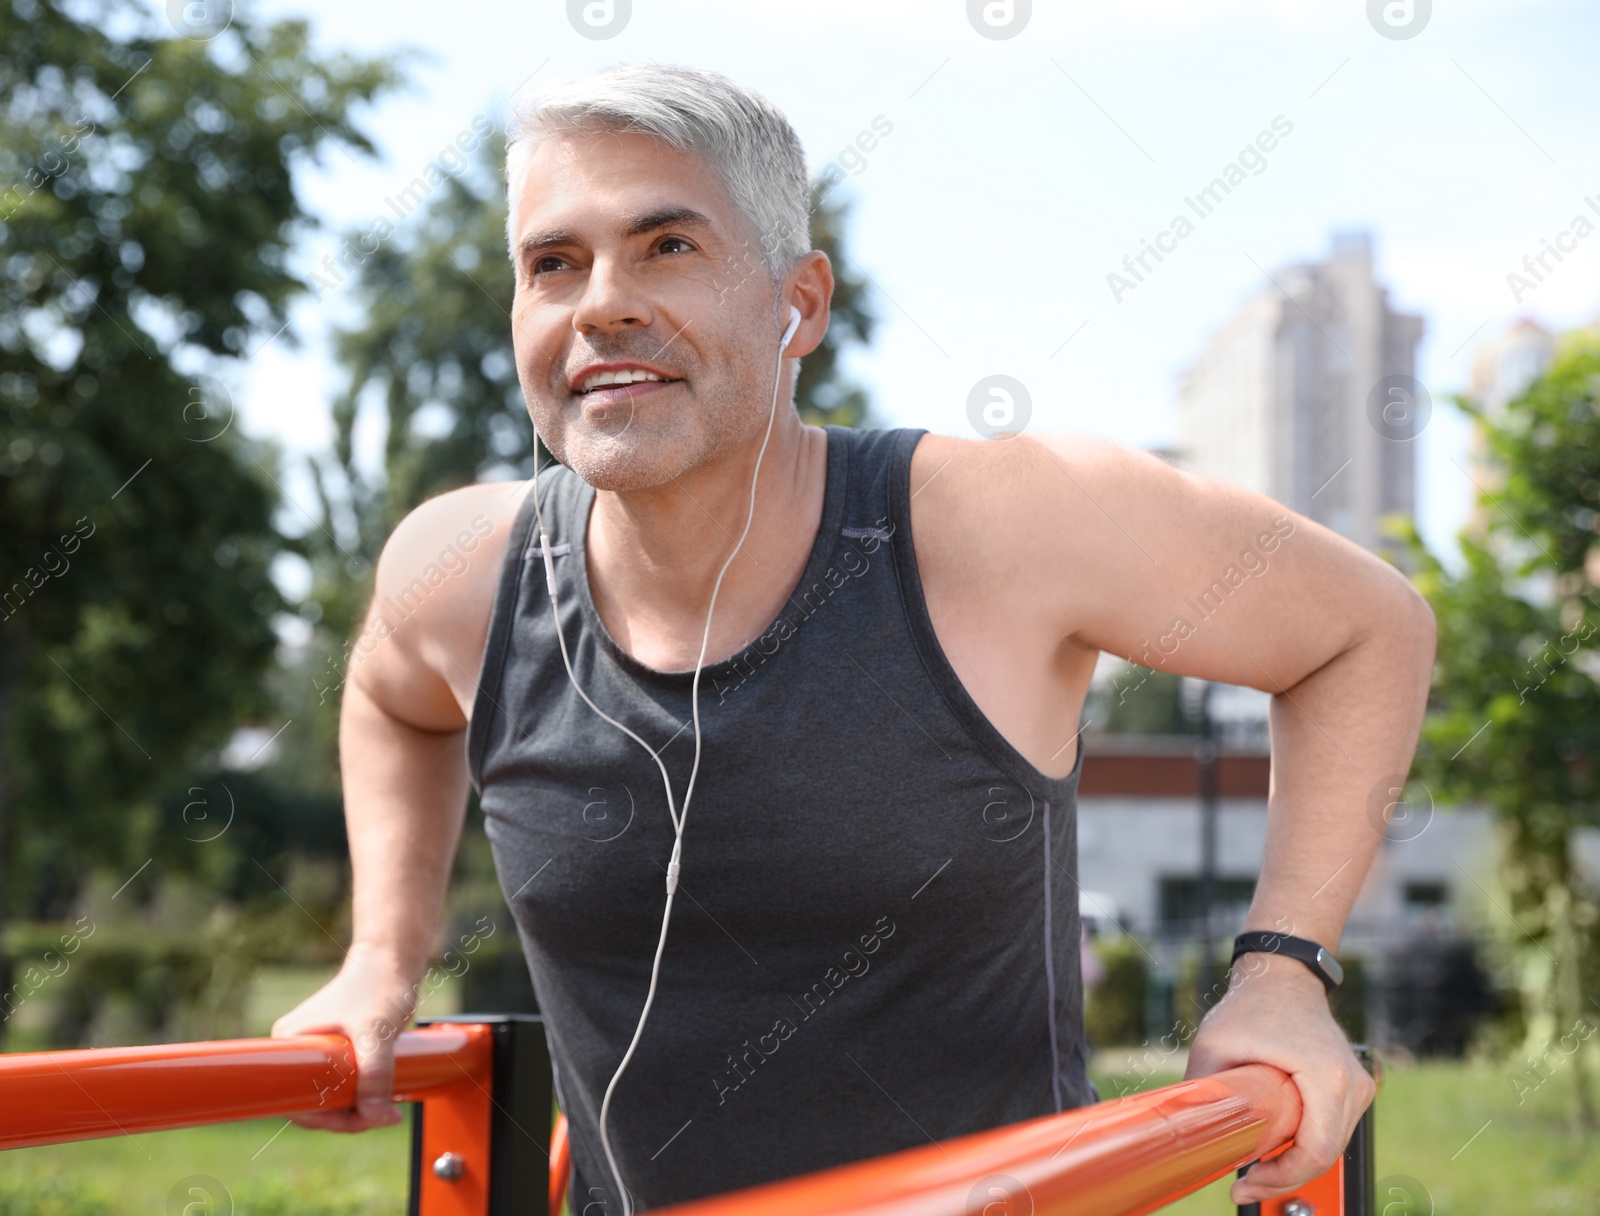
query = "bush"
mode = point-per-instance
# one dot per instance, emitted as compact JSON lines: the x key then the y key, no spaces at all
{"x":112,"y":986}
{"x":1436,"y":996}
{"x":1349,"y":1000}
{"x":1114,"y":1011}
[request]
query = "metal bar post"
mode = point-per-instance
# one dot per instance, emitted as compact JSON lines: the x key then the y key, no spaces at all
{"x":503,"y":1169}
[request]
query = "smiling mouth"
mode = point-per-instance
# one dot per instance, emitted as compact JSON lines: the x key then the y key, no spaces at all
{"x":634,"y":385}
{"x":607,"y":381}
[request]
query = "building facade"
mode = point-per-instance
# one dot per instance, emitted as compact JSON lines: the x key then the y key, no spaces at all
{"x":1309,"y":396}
{"x":1429,"y":896}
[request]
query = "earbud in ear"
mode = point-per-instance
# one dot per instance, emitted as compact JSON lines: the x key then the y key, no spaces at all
{"x":794,"y":324}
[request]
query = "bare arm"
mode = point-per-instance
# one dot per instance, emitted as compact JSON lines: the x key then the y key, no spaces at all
{"x":1200,"y":578}
{"x":1203,"y":579}
{"x":402,"y":729}
{"x":405,"y":794}
{"x":1228,"y":585}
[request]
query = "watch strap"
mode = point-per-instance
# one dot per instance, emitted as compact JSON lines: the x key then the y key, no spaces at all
{"x":1318,"y":958}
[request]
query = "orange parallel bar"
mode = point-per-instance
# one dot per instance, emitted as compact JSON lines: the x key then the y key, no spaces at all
{"x":48,"y":1097}
{"x":1123,"y":1157}
{"x":560,"y":1163}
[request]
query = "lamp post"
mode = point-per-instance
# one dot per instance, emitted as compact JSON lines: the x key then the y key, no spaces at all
{"x":1206,"y":768}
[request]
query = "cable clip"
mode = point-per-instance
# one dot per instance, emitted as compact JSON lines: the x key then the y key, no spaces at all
{"x":549,"y":564}
{"x":673,"y":869}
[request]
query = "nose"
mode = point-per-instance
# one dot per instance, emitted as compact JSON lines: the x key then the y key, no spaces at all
{"x":611,"y":301}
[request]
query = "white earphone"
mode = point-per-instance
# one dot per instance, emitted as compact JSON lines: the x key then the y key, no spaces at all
{"x":674,"y":865}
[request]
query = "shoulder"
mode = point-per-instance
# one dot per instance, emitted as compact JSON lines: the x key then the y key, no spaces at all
{"x":456,"y":531}
{"x":996,"y":487}
{"x":1060,"y":516}
{"x":1031,"y":455}
{"x":422,"y":643}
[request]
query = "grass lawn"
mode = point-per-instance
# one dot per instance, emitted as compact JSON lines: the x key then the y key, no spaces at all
{"x":1457,"y":1129}
{"x":300,"y":1173}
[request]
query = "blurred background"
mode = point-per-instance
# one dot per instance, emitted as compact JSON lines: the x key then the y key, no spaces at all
{"x":254,"y":309}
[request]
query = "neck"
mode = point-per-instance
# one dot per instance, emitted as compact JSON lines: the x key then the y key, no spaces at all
{"x":654,"y":554}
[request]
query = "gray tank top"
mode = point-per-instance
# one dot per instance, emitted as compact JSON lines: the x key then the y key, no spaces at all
{"x":875,"y":939}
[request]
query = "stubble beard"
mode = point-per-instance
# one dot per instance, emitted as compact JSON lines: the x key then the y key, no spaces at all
{"x":629,"y":454}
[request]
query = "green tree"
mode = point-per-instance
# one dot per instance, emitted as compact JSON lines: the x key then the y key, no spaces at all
{"x":822,"y":393}
{"x":146,"y":213}
{"x":1514,"y":719}
{"x":433,"y":354}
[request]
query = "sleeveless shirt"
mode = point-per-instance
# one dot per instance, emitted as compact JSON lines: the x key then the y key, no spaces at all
{"x":874,"y":943}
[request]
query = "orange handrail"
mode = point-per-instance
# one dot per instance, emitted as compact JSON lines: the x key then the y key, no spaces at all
{"x":560,"y":1163}
{"x":1122,"y":1157}
{"x":113,"y":1090}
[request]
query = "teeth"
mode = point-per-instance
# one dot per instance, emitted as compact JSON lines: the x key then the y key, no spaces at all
{"x":627,"y":376}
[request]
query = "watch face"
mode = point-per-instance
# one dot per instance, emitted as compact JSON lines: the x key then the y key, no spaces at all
{"x":1330,"y":965}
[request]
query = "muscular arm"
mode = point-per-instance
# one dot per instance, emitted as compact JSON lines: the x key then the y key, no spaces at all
{"x":402,"y":726}
{"x":405,"y":795}
{"x":1204,"y":579}
{"x":1200,"y":578}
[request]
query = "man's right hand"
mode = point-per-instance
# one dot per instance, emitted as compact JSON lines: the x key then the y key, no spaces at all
{"x":369,"y":1002}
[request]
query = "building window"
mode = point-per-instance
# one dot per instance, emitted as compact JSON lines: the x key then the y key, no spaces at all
{"x":1179,"y":902}
{"x":1425,"y":896}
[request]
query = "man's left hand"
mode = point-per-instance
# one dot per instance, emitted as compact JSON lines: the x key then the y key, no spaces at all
{"x":1276,"y":1012}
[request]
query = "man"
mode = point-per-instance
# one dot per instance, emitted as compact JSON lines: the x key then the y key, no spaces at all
{"x":878,"y":940}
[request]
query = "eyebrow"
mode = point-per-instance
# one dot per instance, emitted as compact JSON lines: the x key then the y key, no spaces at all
{"x":638,"y":225}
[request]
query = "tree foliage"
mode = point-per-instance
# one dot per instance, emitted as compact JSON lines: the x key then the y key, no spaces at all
{"x":146,"y":213}
{"x":1514,"y":718}
{"x":432,"y":356}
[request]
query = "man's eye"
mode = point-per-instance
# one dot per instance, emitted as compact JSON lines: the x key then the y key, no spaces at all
{"x":673,"y":240}
{"x":548,"y":262}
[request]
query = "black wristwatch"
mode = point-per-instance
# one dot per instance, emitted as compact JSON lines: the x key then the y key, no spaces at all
{"x":1322,"y":963}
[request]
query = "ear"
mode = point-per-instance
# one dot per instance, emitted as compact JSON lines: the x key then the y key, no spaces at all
{"x":808,"y":287}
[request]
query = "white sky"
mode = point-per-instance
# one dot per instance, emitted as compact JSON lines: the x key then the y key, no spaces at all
{"x":1020,"y":171}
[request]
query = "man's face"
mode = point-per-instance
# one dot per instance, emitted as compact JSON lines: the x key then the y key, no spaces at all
{"x":630,"y":252}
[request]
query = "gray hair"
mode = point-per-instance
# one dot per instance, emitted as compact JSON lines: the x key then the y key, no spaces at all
{"x":745,"y":138}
